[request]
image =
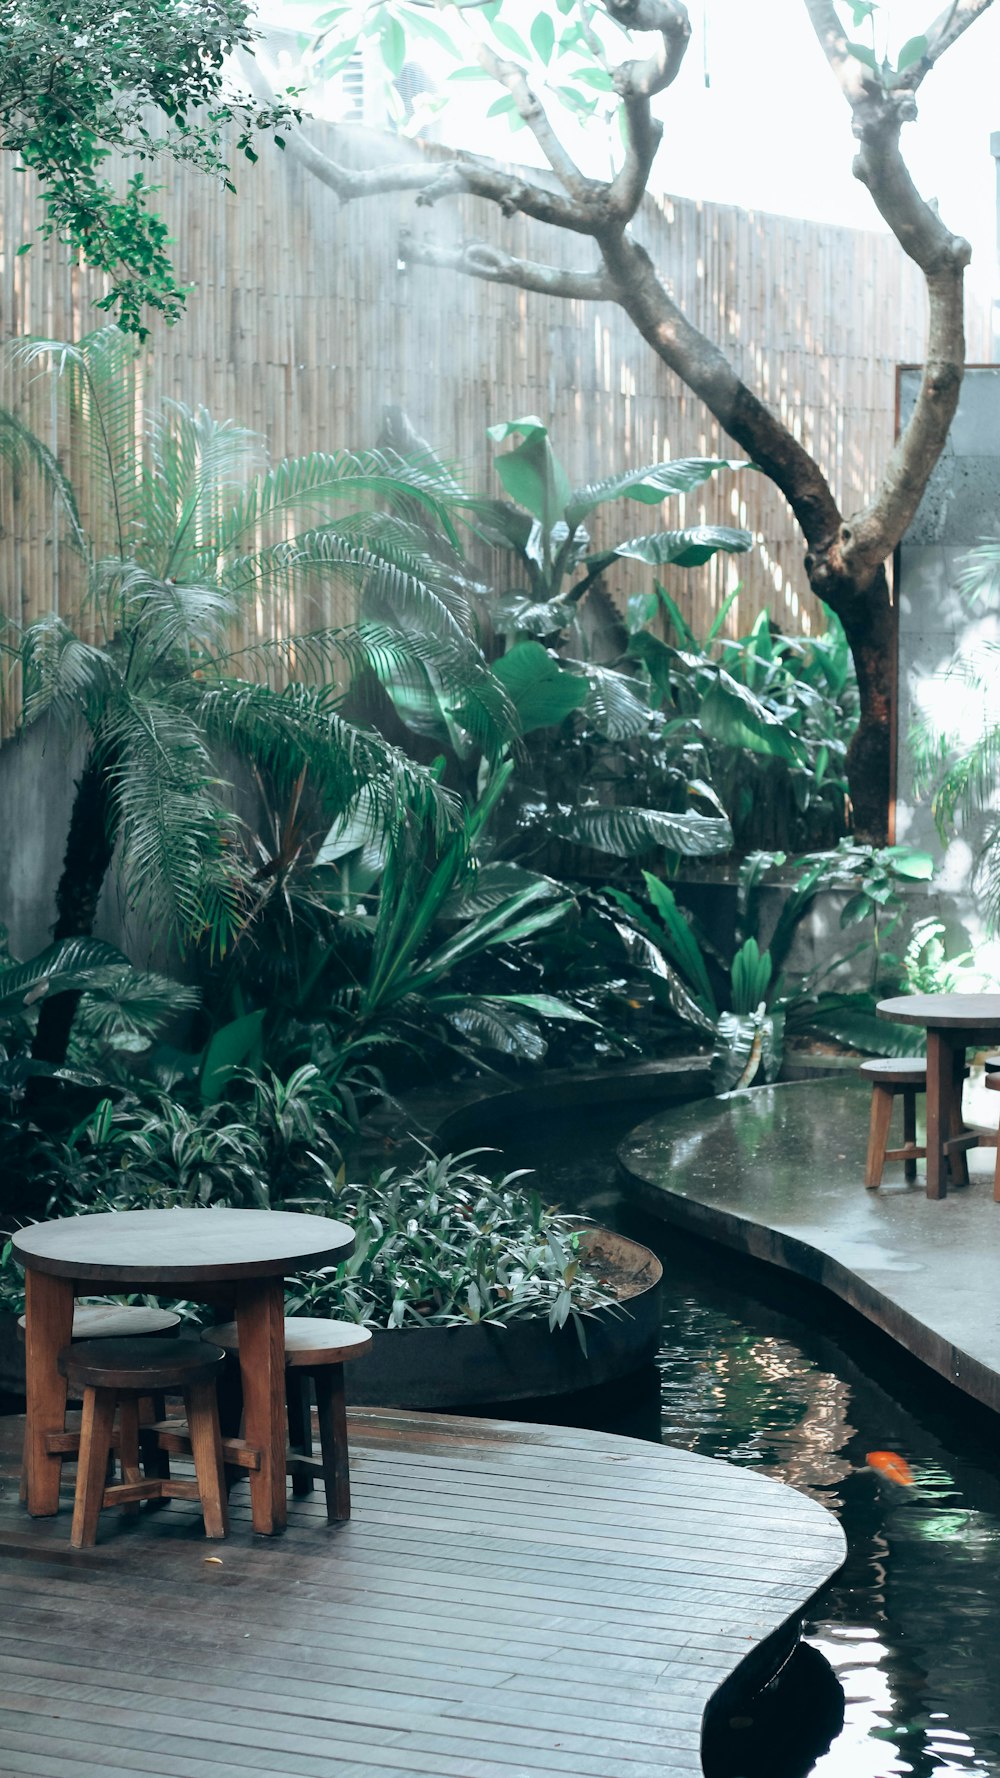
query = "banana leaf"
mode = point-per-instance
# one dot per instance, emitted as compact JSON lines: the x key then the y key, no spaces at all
{"x":685,"y":549}
{"x":541,"y":692}
{"x":629,"y":833}
{"x":61,"y":968}
{"x":650,"y":485}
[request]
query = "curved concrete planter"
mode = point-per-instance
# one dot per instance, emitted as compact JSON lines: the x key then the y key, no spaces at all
{"x":488,"y":1362}
{"x":450,"y":1367}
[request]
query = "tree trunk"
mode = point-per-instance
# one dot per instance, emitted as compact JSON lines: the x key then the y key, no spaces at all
{"x":869,"y":619}
{"x":90,"y":846}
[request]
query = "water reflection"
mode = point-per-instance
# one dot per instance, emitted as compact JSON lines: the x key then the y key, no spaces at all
{"x":912,"y":1624}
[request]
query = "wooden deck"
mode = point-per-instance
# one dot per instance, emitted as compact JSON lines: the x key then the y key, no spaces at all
{"x":508,"y":1601}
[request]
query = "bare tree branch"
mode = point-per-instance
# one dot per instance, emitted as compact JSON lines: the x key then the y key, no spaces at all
{"x":879,"y":112}
{"x":638,"y":82}
{"x":478,"y":259}
{"x":513,"y":77}
{"x":947,"y":28}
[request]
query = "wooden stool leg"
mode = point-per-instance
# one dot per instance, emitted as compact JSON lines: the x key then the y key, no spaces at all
{"x":95,"y":1444}
{"x":878,"y":1135}
{"x":206,"y":1449}
{"x":909,"y":1129}
{"x":299,"y":1425}
{"x":128,"y":1444}
{"x":332,"y":1414}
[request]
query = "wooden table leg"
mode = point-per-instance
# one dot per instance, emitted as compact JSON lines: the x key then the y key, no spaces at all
{"x":48,"y":1328}
{"x":260,"y":1321}
{"x":940,"y":1079}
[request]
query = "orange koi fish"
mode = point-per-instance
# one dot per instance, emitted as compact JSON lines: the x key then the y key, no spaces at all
{"x":895,"y":1468}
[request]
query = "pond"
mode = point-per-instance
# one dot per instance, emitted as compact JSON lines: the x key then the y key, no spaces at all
{"x":755,"y":1370}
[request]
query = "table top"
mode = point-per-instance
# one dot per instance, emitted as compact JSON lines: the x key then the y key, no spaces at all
{"x":182,"y":1246}
{"x":943,"y":1011}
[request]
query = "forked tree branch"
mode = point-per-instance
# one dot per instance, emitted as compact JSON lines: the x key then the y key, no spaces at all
{"x":879,"y":110}
{"x":478,"y":259}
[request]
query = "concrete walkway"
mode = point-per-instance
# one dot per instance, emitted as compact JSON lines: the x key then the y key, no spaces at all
{"x":777,"y":1172}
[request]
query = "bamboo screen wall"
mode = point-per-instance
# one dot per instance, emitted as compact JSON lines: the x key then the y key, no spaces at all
{"x":304,"y":324}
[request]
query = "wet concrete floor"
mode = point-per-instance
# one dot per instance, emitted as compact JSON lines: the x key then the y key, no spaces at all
{"x":777,"y":1172}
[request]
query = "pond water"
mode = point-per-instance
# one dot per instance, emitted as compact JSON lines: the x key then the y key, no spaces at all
{"x":754,"y":1371}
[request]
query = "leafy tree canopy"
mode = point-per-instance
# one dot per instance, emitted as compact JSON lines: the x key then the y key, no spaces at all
{"x":144,"y":77}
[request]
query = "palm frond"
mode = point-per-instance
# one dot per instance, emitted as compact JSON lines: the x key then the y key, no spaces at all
{"x":303,"y":726}
{"x":309,"y":484}
{"x":98,"y":377}
{"x":199,"y":465}
{"x":124,"y":1009}
{"x":62,"y":675}
{"x":180,"y":857}
{"x":21,"y":448}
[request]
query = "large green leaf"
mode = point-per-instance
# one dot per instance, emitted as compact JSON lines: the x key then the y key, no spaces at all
{"x":492,"y":885}
{"x":514,"y":614}
{"x":686,"y":549}
{"x":541,"y":692}
{"x":851,"y":1019}
{"x":628,"y":833}
{"x":615,"y":705}
{"x":731,"y":714}
{"x":651,"y":484}
{"x":227,"y":1050}
{"x":740,"y":1043}
{"x":679,"y":941}
{"x":62,"y":968}
{"x":669,"y":990}
{"x":531,"y":473}
{"x":498,"y":1027}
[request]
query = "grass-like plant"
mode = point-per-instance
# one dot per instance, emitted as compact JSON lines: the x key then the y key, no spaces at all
{"x":444,"y":1245}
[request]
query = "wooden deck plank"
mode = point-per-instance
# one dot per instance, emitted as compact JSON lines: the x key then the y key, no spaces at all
{"x":506,"y":1602}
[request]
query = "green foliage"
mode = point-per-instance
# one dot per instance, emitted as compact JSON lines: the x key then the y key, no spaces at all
{"x":444,"y":1245}
{"x":766,"y":719}
{"x":746,"y":1004}
{"x":145,"y":80}
{"x":194,"y":534}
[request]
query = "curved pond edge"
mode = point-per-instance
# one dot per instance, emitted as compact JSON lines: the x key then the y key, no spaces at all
{"x":924,"y":1278}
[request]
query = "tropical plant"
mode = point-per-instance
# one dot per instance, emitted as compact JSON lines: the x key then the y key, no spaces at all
{"x":443,"y":1245}
{"x":195,"y":533}
{"x":269,"y":1143}
{"x":745,"y":1004}
{"x":765,"y":718}
{"x":608,"y":63}
{"x":404,"y":923}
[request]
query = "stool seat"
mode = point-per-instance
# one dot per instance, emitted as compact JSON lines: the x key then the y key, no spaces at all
{"x":316,"y":1351}
{"x":991,"y":1065}
{"x":140,"y":1367}
{"x":901,"y":1071}
{"x":309,"y":1340}
{"x":112,"y":1375}
{"x":112,"y":1321}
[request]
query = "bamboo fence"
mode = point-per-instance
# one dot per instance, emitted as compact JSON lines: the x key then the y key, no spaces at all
{"x":304,"y":323}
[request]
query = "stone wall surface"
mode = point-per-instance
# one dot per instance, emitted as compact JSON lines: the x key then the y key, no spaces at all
{"x":938,"y":620}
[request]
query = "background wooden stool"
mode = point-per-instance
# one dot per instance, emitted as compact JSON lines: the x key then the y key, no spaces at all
{"x":113,"y":1374}
{"x":993,"y":1081}
{"x":891,"y":1076}
{"x":107,"y":1321}
{"x":318,"y":1349}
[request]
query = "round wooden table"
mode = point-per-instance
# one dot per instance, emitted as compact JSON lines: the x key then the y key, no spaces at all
{"x":234,"y":1258}
{"x":954,"y":1023}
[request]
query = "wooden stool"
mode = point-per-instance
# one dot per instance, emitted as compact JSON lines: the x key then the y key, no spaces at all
{"x":318,"y":1349}
{"x":108,"y":1321}
{"x":116,"y":1373}
{"x":889,"y":1076}
{"x":907,"y":1075}
{"x":993,"y":1081}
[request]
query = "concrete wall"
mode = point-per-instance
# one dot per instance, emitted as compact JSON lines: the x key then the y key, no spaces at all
{"x":959,"y":509}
